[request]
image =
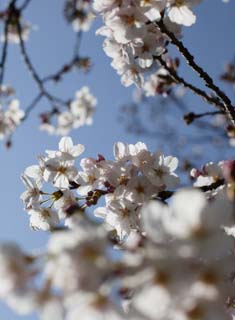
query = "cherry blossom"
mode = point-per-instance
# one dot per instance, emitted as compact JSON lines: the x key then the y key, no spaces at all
{"x":10,"y":118}
{"x":79,"y":14}
{"x":132,"y":38}
{"x":79,"y":113}
{"x":127,"y":238}
{"x":13,"y":32}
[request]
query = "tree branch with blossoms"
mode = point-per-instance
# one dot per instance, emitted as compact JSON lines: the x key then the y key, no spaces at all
{"x":180,"y":80}
{"x":17,"y":31}
{"x":130,"y":238}
{"x":228,"y":107}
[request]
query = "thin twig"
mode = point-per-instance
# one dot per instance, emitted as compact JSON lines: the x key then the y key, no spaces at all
{"x":34,"y":73}
{"x":58,"y":74}
{"x":188,"y":85}
{"x":164,"y":195}
{"x":229,"y":109}
{"x":24,"y":5}
{"x":77,"y":45}
{"x":4,"y":53}
{"x":32,"y":105}
{"x":10,"y":12}
{"x":191,"y":116}
{"x":212,"y":186}
{"x":27,"y":59}
{"x":68,"y":66}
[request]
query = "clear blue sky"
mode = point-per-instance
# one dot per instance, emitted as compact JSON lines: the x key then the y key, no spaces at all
{"x":211,"y":40}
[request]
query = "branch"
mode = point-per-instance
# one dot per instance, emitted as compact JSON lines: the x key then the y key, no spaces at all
{"x":27,"y":59}
{"x":194,"y":89}
{"x":4,"y":53}
{"x":24,"y":5}
{"x":68,"y":66}
{"x":32,"y":105}
{"x":229,"y":109}
{"x":10,"y":10}
{"x":191,"y":116}
{"x":64,"y":69}
{"x":77,"y":44}
{"x":212,"y":186}
{"x":34,"y":73}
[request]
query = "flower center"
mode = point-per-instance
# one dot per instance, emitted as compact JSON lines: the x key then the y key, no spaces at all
{"x":129,"y":20}
{"x":159,"y":172}
{"x":139,"y":189}
{"x":62,"y":170}
{"x":179,"y":3}
{"x":161,"y":278}
{"x":125,"y":212}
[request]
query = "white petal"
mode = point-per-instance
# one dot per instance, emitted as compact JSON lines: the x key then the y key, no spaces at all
{"x":120,"y":150}
{"x":153,"y":14}
{"x":151,"y":215}
{"x":61,"y":182}
{"x":171,"y":162}
{"x":182,"y":15}
{"x":77,"y":150}
{"x":65,"y":144}
{"x":185,"y":212}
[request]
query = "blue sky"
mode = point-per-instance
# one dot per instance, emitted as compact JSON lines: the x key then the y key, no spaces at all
{"x":211,"y":40}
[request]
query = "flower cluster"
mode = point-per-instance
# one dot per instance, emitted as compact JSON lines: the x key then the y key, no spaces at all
{"x":132,"y":38}
{"x":125,"y":243}
{"x":12,"y":32}
{"x":158,"y":83}
{"x":42,"y":283}
{"x":216,"y":178}
{"x":79,"y":14}
{"x":134,"y":177}
{"x":80,"y":112}
{"x":185,"y":276}
{"x":210,"y":173}
{"x":178,"y":264}
{"x":10,"y":118}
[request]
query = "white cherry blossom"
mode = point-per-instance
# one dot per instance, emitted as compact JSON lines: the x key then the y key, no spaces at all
{"x":179,"y":11}
{"x":160,"y":171}
{"x":43,"y":219}
{"x":67,"y":151}
{"x":32,"y":196}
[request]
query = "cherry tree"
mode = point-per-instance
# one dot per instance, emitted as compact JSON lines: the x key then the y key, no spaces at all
{"x":141,"y":234}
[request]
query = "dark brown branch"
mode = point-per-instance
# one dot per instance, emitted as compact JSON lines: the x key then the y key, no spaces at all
{"x":164,"y":195}
{"x":34,"y":73}
{"x":77,"y":45}
{"x":32,"y":105}
{"x":13,"y":12}
{"x":10,"y":11}
{"x":27,"y":60}
{"x":228,"y":107}
{"x":24,"y":5}
{"x":68,"y":66}
{"x":4,"y":53}
{"x":212,"y":186}
{"x":64,"y":69}
{"x":180,"y":80}
{"x":191,"y":116}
